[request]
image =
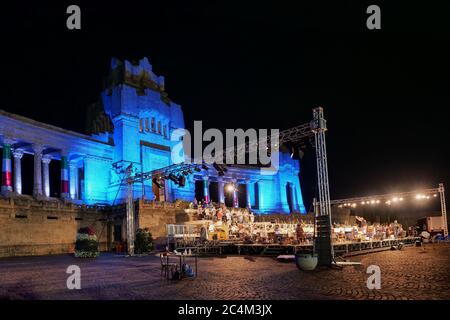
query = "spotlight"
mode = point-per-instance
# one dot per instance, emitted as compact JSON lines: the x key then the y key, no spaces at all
{"x":173,"y":178}
{"x":181,"y":181}
{"x":230,"y":188}
{"x":220,"y":170}
{"x":158,"y":182}
{"x":296,"y":153}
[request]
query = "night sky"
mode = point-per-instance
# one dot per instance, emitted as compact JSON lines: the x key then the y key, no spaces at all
{"x":264,"y":64}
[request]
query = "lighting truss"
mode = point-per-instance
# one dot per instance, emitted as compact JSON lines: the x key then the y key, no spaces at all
{"x":314,"y":129}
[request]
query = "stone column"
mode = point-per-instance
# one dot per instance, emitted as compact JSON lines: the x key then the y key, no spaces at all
{"x":292,"y":197}
{"x":247,"y":190}
{"x":6,"y":166}
{"x":37,"y":183}
{"x":18,"y":154}
{"x":220,"y":188}
{"x":73,"y":180}
{"x":64,"y":176}
{"x":235,"y":195}
{"x":206,"y":189}
{"x":46,"y":174}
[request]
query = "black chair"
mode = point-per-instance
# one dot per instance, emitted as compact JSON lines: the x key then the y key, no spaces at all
{"x":165,"y":264}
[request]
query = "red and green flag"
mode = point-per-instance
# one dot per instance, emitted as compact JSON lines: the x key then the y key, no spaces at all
{"x":6,"y":168}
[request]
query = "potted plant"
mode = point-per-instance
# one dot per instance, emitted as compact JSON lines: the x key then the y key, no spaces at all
{"x":144,"y":241}
{"x":86,"y":245}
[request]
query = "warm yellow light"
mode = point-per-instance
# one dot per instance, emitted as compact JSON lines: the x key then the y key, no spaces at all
{"x":230,"y":188}
{"x":363,"y":202}
{"x":401,"y":199}
{"x":373,"y":201}
{"x":435,"y":195}
{"x":378,"y":201}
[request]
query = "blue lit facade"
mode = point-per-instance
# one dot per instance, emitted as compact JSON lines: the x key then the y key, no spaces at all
{"x":132,"y":122}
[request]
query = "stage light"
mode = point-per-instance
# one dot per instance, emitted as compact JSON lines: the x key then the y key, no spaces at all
{"x":363,"y":202}
{"x":401,"y":199}
{"x":220,"y":169}
{"x":388,"y":202}
{"x":173,"y":178}
{"x":181,"y":181}
{"x":230,"y":188}
{"x":372,"y":201}
{"x":395,"y":199}
{"x":378,"y":201}
{"x":435,"y":195}
{"x":296,"y":153}
{"x":158,"y":182}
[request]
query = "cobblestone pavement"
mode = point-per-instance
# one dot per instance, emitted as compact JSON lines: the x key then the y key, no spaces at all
{"x":413,"y":273}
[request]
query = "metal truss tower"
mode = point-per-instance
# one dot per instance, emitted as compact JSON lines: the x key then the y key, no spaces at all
{"x":323,"y":219}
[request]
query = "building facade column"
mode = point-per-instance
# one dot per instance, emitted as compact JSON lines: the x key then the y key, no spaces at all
{"x":37,"y":183}
{"x":235,"y":196}
{"x":220,"y":187}
{"x":6,"y":166}
{"x":247,"y":190}
{"x":18,"y":154}
{"x":74,"y":194}
{"x":46,"y":174}
{"x":206,"y":189}
{"x":64,"y":176}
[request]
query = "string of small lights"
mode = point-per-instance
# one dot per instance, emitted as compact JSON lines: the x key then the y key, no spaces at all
{"x":387,"y":199}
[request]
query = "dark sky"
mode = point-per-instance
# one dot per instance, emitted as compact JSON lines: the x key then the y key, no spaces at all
{"x":261,"y":64}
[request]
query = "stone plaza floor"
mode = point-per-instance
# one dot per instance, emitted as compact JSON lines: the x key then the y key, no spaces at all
{"x":413,"y":273}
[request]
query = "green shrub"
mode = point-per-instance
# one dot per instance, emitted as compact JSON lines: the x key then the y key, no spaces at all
{"x":144,"y":241}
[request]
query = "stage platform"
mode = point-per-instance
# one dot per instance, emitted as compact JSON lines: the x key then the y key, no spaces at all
{"x":340,"y":248}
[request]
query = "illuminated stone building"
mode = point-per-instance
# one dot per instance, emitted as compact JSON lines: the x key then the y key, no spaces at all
{"x":132,"y":122}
